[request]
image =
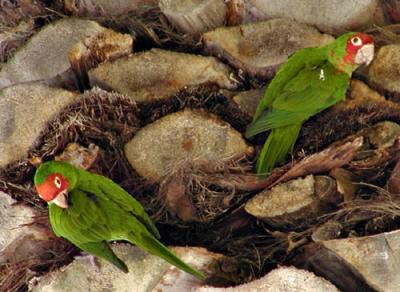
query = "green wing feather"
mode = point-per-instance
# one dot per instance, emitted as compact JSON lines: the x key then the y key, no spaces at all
{"x":98,"y":215}
{"x":301,"y":99}
{"x":312,"y":90}
{"x":103,"y":250}
{"x":108,"y":190}
{"x":85,"y":226}
{"x":303,"y":59}
{"x":154,"y":247}
{"x":279,"y":143}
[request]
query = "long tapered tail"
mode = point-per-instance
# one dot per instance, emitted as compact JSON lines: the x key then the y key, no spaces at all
{"x":153,"y":246}
{"x":279,"y":143}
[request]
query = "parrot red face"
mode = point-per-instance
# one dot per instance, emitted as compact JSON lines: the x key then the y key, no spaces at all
{"x":359,"y":49}
{"x":55,"y":190}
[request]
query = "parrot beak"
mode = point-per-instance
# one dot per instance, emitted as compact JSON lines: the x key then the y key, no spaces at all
{"x":61,"y":200}
{"x":365,"y":54}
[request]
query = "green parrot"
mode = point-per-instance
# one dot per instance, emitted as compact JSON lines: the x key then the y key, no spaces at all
{"x":312,"y":80}
{"x":90,"y":210}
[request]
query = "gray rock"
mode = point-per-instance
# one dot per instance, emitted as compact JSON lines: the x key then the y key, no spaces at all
{"x":45,"y":55}
{"x":283,"y":279}
{"x":12,"y":219}
{"x":294,"y":202}
{"x":12,"y":38}
{"x":158,"y":74}
{"x":259,"y":48}
{"x":190,"y":134}
{"x":383,"y":134}
{"x":376,"y":258}
{"x":194,"y":16}
{"x":248,"y":100}
{"x":24,"y":111}
{"x":384,"y":72}
{"x":328,"y":230}
{"x":90,"y":51}
{"x":327,"y":15}
{"x":146,"y":273}
{"x":104,"y":7}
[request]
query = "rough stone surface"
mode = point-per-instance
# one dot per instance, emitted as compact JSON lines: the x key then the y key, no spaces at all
{"x":259,"y":48}
{"x":46,"y":54}
{"x":327,"y":15}
{"x":176,"y":280}
{"x":104,"y":7}
{"x":89,"y":52}
{"x":146,"y":273}
{"x":12,"y":38}
{"x":248,"y":100}
{"x":283,"y":279}
{"x":157,"y":74}
{"x":376,"y":258}
{"x":24,"y":111}
{"x":194,"y":16}
{"x":384,"y":71}
{"x":181,"y":136}
{"x":294,"y":201}
{"x":270,"y":203}
{"x":11,"y":220}
{"x":383,"y":134}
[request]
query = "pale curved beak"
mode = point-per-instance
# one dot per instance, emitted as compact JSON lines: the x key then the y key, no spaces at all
{"x":61,"y":200}
{"x":365,"y":55}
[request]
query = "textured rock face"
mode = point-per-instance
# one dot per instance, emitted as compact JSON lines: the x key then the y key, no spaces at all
{"x":24,"y":111}
{"x":376,"y":258}
{"x":281,"y":279}
{"x":384,"y":71}
{"x":248,"y":100}
{"x":11,"y":220}
{"x":157,"y":74}
{"x":294,"y":201}
{"x":383,"y":134}
{"x":12,"y":38}
{"x":105,"y":7}
{"x":327,"y":15}
{"x":185,"y":135}
{"x":80,"y":275}
{"x":46,"y":54}
{"x":146,"y":273}
{"x":194,"y":16}
{"x":259,"y":48}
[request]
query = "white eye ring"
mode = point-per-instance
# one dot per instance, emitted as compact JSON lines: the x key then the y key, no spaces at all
{"x":57,"y":182}
{"x":356,"y":41}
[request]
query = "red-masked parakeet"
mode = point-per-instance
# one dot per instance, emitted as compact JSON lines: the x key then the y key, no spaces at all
{"x":90,"y":210}
{"x":312,"y":80}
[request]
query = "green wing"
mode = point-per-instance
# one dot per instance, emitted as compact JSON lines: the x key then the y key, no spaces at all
{"x":108,"y":190}
{"x":301,"y":60}
{"x":81,"y":222}
{"x":86,"y":226}
{"x":302,"y":97}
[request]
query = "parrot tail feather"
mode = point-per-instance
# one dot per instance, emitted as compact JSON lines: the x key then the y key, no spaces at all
{"x":279,"y":143}
{"x":153,"y":246}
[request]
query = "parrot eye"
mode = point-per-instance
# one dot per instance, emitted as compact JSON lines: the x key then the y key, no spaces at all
{"x":356,"y":41}
{"x":57,"y":182}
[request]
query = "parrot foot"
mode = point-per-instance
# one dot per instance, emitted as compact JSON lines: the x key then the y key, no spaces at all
{"x":93,"y":260}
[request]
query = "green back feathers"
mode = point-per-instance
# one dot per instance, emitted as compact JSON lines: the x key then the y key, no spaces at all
{"x":299,"y":61}
{"x":312,"y":80}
